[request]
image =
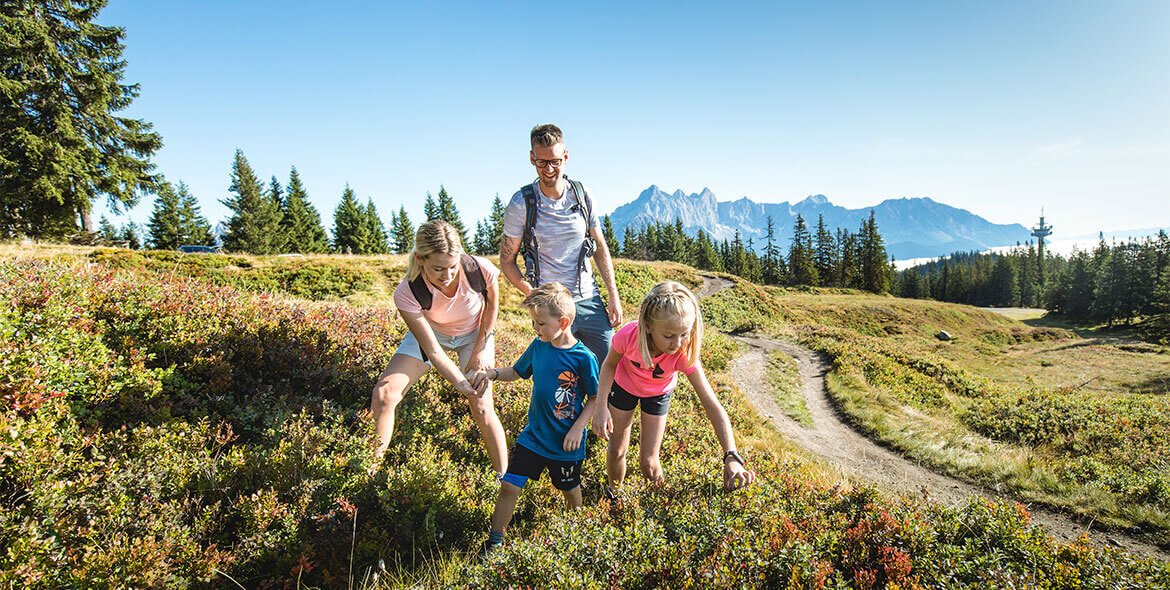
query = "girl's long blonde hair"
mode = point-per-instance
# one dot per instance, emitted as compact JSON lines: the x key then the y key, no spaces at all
{"x":665,"y":301}
{"x":433,"y":237}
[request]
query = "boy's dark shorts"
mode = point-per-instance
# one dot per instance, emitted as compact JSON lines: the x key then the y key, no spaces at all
{"x":657,"y":405}
{"x":525,"y":464}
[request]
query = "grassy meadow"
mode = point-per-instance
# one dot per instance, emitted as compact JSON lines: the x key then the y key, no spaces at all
{"x":1076,"y":420}
{"x":202,"y":421}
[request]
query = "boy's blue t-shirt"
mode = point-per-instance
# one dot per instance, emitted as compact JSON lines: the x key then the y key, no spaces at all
{"x":561,"y":379}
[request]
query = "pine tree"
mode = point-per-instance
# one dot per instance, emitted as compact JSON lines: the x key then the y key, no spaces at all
{"x":430,"y":208}
{"x":164,"y":230}
{"x":850,"y":266}
{"x":63,"y":145}
{"x":495,"y":225}
{"x":402,"y":232}
{"x":480,"y":242}
{"x":279,"y":243}
{"x":801,"y":270}
{"x":255,"y":223}
{"x":825,"y":254}
{"x":1004,"y":283}
{"x":875,"y":269}
{"x":349,"y":227}
{"x":107,"y":231}
{"x":706,"y":258}
{"x":194,"y":227}
{"x":630,"y":243}
{"x":607,"y":232}
{"x":770,"y":266}
{"x":131,"y":236}
{"x":300,"y":221}
{"x":449,"y":213}
{"x":375,"y":231}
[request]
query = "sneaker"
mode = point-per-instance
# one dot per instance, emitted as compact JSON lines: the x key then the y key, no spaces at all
{"x":612,"y":496}
{"x":489,"y":547}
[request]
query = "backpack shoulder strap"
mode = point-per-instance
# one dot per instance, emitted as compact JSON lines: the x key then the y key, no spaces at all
{"x":474,"y":273}
{"x":422,"y":293}
{"x":584,"y":203}
{"x":529,"y":214}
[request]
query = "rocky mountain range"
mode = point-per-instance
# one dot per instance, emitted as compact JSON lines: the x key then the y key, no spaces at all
{"x":912,"y":227}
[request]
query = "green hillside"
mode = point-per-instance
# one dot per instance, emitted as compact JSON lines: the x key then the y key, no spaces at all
{"x":194,"y":421}
{"x":1082,"y":424}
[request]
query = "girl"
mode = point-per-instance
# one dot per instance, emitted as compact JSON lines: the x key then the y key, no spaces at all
{"x":449,"y":301}
{"x":641,"y":368}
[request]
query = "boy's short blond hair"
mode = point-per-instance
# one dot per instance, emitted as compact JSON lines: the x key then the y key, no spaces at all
{"x":553,"y":299}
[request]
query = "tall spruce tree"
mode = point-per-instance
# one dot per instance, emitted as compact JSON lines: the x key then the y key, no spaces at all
{"x":349,"y":224}
{"x":481,"y":244}
{"x":875,"y":266}
{"x":194,"y":226}
{"x":165,"y":229}
{"x":300,"y":221}
{"x":62,"y":146}
{"x":131,"y":235}
{"x":611,"y":241}
{"x":706,"y":258}
{"x":402,"y":232}
{"x":255,"y":223}
{"x":107,"y":231}
{"x":375,"y":232}
{"x":450,"y":213}
{"x":770,"y":267}
{"x":430,"y":208}
{"x":275,"y":195}
{"x":825,"y":254}
{"x":801,"y":270}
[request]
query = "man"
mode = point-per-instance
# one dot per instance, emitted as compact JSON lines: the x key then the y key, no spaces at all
{"x":560,"y":242}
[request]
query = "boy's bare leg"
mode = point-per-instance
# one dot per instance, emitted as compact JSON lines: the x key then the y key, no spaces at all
{"x":506,"y":506}
{"x":649,"y":445}
{"x":619,"y":443}
{"x":573,"y":498}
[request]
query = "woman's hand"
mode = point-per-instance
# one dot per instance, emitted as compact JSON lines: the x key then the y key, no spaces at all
{"x":463,"y":386}
{"x":736,"y":476}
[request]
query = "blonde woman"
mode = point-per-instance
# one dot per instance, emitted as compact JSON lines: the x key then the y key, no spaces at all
{"x":449,"y":302}
{"x":642,"y":369}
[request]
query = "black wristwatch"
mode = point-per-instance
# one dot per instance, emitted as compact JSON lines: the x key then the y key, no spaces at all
{"x":733,"y":455}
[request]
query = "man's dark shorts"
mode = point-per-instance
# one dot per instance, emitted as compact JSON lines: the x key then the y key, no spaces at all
{"x":656,"y":405}
{"x":591,"y":326}
{"x":525,"y":464}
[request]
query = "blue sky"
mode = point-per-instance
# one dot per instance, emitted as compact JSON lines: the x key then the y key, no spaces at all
{"x":996,"y":107}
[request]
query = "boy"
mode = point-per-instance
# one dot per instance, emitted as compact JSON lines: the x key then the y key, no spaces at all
{"x":564,"y":387}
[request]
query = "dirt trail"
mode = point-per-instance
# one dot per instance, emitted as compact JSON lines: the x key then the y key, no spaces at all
{"x":859,"y":458}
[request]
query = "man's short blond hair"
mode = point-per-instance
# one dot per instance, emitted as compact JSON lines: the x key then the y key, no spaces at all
{"x":553,"y":299}
{"x":546,"y":135}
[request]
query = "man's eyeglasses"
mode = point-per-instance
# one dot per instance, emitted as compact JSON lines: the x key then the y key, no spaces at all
{"x":546,"y":163}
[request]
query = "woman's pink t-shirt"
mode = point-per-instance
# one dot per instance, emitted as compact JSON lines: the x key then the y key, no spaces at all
{"x":640,"y":381}
{"x":451,"y":316}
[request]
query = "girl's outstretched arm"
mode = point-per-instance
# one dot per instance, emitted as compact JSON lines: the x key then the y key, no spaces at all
{"x":735,"y":475}
{"x":602,"y":424}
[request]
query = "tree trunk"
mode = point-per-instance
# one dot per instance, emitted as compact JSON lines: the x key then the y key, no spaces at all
{"x":86,"y":221}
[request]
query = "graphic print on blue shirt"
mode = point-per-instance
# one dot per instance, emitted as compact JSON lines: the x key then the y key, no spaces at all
{"x":561,"y":381}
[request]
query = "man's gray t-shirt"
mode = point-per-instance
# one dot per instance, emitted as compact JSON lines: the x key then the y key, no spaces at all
{"x":560,"y":229}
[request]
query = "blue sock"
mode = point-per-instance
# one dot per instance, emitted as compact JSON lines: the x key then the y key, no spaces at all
{"x":495,"y":537}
